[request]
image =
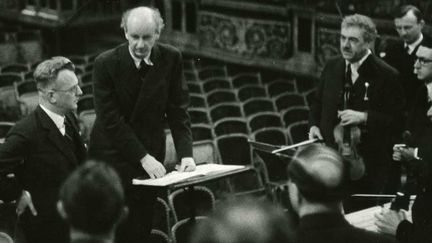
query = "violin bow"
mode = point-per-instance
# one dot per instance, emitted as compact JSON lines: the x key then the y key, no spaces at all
{"x":306,"y":142}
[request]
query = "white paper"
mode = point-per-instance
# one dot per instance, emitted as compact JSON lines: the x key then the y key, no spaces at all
{"x":175,"y":176}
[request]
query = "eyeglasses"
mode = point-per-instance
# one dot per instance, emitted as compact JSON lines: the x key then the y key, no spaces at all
{"x":423,"y":61}
{"x":72,"y":90}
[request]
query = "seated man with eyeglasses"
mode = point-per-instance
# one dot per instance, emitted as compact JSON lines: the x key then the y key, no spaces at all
{"x":418,"y":154}
{"x":48,"y":142}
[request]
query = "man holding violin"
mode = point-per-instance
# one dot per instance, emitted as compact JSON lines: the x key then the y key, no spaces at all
{"x":359,"y":92}
{"x":418,"y":155}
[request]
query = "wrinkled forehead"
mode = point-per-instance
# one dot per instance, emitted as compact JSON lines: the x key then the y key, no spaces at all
{"x":352,"y":31}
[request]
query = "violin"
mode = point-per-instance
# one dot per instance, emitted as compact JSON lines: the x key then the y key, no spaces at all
{"x":347,"y":138}
{"x":402,"y":198}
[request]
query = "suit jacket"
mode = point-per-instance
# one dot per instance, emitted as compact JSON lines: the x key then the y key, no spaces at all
{"x":384,"y":107}
{"x":126,"y":129}
{"x":333,"y":228}
{"x":48,"y":159}
{"x":397,"y":57}
{"x":421,"y":129}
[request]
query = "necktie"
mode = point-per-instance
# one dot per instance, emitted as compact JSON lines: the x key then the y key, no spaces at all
{"x":68,"y":130}
{"x":143,"y":68}
{"x":407,"y":50}
{"x":348,"y":83}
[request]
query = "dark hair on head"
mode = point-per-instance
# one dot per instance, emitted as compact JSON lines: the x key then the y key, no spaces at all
{"x":46,"y":72}
{"x":401,"y":11}
{"x":157,"y":18}
{"x":320,"y":173}
{"x":245,"y":220}
{"x":93,"y":198}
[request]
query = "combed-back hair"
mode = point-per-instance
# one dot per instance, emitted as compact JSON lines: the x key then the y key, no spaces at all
{"x":401,"y":11}
{"x":157,"y":18}
{"x":46,"y":72}
{"x":364,"y":22}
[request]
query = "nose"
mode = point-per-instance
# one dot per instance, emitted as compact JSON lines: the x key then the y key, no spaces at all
{"x":417,"y":63}
{"x":141,"y":43}
{"x":79,"y":91}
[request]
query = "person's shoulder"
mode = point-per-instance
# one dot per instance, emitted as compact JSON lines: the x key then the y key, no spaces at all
{"x":383,"y":67}
{"x":167,"y":48}
{"x":26,"y":125}
{"x":110,"y":54}
{"x":361,"y":235}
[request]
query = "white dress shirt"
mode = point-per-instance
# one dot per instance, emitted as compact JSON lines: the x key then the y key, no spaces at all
{"x":57,"y":119}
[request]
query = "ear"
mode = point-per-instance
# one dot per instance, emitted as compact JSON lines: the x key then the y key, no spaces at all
{"x":61,"y":211}
{"x":422,"y":23}
{"x":125,"y":33}
{"x":123,"y":215}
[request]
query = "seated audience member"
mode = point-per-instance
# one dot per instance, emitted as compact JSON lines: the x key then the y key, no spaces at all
{"x":49,"y":144}
{"x":246,"y":220}
{"x":317,"y":177}
{"x":419,"y":156}
{"x":92,"y":202}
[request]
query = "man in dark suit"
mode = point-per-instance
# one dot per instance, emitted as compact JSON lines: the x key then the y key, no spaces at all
{"x":409,"y":23}
{"x":373,"y":103}
{"x":316,"y":186}
{"x":137,"y":86}
{"x":48,"y":141}
{"x":92,"y":202}
{"x":419,"y":156}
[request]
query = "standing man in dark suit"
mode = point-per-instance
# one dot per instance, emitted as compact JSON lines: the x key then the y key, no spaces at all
{"x":316,"y":186}
{"x":409,"y":23}
{"x":48,"y":141}
{"x":137,"y":86}
{"x":374,"y":101}
{"x":419,"y":156}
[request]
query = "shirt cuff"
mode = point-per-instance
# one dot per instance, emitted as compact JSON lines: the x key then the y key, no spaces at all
{"x":187,"y":159}
{"x":416,"y":154}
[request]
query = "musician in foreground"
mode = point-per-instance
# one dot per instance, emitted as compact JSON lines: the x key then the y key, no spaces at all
{"x":317,"y":186}
{"x":419,"y":156}
{"x":359,"y":90}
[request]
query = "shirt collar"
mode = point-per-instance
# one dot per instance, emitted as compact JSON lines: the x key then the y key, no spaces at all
{"x":56,"y":118}
{"x":137,"y":61}
{"x":356,"y":65}
{"x":429,"y":90}
{"x":413,"y":45}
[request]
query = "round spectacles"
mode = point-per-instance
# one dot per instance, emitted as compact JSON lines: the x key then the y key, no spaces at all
{"x":423,"y":61}
{"x":71,"y":90}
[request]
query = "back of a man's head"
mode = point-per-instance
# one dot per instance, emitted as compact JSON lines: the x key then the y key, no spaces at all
{"x":318,"y":173}
{"x":245,"y":221}
{"x":92,"y":198}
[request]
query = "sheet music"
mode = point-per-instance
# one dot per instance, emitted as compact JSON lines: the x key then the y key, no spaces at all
{"x":365,"y":218}
{"x":175,"y":176}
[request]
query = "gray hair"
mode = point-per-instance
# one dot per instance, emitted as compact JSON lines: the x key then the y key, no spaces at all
{"x":46,"y":72}
{"x":363,"y":22}
{"x":157,"y":18}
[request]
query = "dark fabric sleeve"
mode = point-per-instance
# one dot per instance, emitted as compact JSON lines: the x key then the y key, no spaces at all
{"x":177,"y":114}
{"x":109,"y":113}
{"x":316,"y":102}
{"x":407,"y":233}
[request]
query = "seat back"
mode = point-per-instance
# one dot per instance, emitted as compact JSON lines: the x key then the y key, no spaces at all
{"x":230,"y":125}
{"x":251,"y":91}
{"x":225,"y":110}
{"x":196,"y":201}
{"x":182,"y":230}
{"x":256,"y":105}
{"x":264,"y":119}
{"x":161,"y":216}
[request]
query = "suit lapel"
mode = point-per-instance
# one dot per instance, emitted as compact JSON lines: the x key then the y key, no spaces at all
{"x":54,"y":135}
{"x":72,"y":120}
{"x":368,"y":73}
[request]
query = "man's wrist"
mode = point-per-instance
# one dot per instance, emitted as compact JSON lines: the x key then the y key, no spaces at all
{"x":365,"y":117}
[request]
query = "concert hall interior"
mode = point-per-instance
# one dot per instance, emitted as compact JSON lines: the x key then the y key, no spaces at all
{"x":324,"y":106}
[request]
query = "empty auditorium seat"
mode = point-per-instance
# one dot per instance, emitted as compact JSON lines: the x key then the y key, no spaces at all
{"x":201,"y":132}
{"x":194,"y":87}
{"x":256,"y":105}
{"x":85,"y":77}
{"x":220,"y":96}
{"x":199,"y":115}
{"x":278,"y":87}
{"x":215,"y":83}
{"x":190,"y":76}
{"x":212,"y":72}
{"x":15,"y":68}
{"x":230,"y":125}
{"x":197,"y":101}
{"x":87,"y":88}
{"x":295,"y":114}
{"x":157,"y":236}
{"x":161,"y":217}
{"x":225,"y":110}
{"x":286,"y":100}
{"x":198,"y":201}
{"x":264,"y":119}
{"x":243,"y":79}
{"x":298,"y":132}
{"x":27,"y":96}
{"x":251,"y":91}
{"x":183,"y":229}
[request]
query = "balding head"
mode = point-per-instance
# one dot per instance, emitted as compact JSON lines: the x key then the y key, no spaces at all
{"x":318,"y":172}
{"x":144,"y":16}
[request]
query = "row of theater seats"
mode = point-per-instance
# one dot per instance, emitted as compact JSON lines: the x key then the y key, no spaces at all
{"x":20,"y":45}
